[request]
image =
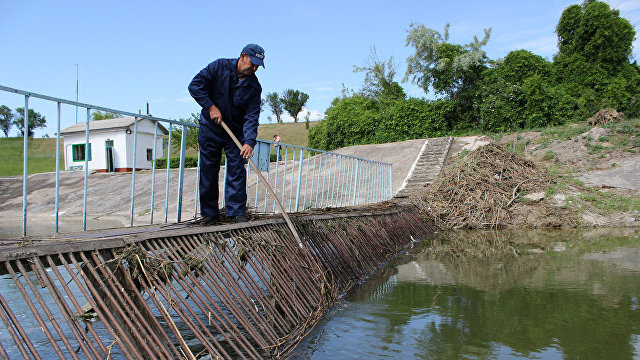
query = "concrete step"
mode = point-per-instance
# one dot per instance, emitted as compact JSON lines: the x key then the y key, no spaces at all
{"x":427,"y":167}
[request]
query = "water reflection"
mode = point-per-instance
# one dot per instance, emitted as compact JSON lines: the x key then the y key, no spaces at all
{"x":578,"y":304}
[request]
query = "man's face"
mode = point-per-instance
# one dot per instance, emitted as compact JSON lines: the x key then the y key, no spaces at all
{"x":245,"y":67}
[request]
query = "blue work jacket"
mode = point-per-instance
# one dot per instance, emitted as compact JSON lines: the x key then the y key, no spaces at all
{"x":238,"y":101}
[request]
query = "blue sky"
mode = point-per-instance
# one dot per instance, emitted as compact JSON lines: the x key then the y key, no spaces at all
{"x":133,"y":52}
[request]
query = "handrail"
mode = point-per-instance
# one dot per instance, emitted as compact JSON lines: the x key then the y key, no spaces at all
{"x":304,"y":177}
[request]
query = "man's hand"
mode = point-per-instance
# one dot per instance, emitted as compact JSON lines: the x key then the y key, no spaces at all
{"x":246,"y":152}
{"x":215,"y":115}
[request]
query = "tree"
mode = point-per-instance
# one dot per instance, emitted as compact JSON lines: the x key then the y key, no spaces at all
{"x":293,"y":101}
{"x":275,"y":105}
{"x":451,"y":70}
{"x":100,"y":115}
{"x":6,"y":117}
{"x":448,"y":68}
{"x":35,"y":121}
{"x":593,"y":62}
{"x":191,"y":136}
{"x":378,"y":81}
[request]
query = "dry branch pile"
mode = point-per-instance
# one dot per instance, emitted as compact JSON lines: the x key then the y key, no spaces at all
{"x":605,"y":116}
{"x":479,"y":190}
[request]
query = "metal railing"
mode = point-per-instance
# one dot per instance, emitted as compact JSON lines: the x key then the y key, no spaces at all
{"x":302,"y":178}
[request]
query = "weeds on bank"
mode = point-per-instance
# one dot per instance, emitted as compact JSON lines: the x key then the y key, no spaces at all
{"x":608,"y":202}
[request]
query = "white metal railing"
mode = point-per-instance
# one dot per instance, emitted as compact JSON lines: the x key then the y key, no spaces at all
{"x":302,"y":178}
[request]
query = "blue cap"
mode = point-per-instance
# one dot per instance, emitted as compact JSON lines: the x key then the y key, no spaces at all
{"x":256,"y":54}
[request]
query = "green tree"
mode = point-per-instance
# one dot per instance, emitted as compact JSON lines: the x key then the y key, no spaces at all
{"x":293,"y":101}
{"x":379,"y":75}
{"x":447,"y":68}
{"x":450,"y":70}
{"x":103,"y":115}
{"x":518,"y":94}
{"x":6,"y":117}
{"x":275,"y":105}
{"x":593,"y":61}
{"x":191,"y":135}
{"x":35,"y":121}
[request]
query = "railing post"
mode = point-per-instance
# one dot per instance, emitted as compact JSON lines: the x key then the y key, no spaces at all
{"x":133,"y":172}
{"x":355,"y":182}
{"x":299,"y":179}
{"x":153,"y":170}
{"x":166,"y":196}
{"x":86,"y":171}
{"x":183,"y":150}
{"x":195,"y":211}
{"x":57,"y":206}
{"x":25,"y":163}
{"x":390,"y":181}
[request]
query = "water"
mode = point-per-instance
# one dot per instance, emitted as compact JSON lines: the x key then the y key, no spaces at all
{"x":582,"y":303}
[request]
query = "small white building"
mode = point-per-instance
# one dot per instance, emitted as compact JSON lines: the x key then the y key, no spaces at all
{"x":111,"y":144}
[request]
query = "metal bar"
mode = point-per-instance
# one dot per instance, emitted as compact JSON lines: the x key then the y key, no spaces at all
{"x":72,"y":297}
{"x":300,"y":163}
{"x":224,"y":182}
{"x":183,"y":149}
{"x":166,"y":195}
{"x":9,"y":318}
{"x":133,"y":171}
{"x":390,"y":181}
{"x":191,"y":286}
{"x":25,"y":169}
{"x":46,"y":309}
{"x":275,"y":184}
{"x":355,"y":182}
{"x":197,"y":202}
{"x":306,"y":180}
{"x":284,"y":170}
{"x":323,"y":173}
{"x":34,"y":311}
{"x":153,"y":170}
{"x":57,"y":206}
{"x":293,"y":175}
{"x":85,"y":105}
{"x":86,"y":171}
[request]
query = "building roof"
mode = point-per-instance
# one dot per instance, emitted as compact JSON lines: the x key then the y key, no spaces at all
{"x":117,"y":123}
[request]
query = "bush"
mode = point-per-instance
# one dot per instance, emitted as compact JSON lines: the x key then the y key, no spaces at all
{"x":360,"y":120}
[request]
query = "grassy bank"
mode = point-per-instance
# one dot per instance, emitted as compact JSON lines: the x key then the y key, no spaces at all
{"x":41,"y":156}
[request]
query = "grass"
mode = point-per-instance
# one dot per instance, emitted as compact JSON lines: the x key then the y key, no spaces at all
{"x":610,"y":203}
{"x":41,"y":156}
{"x":290,"y":133}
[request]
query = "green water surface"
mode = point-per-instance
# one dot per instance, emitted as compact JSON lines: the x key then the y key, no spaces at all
{"x":578,"y":303}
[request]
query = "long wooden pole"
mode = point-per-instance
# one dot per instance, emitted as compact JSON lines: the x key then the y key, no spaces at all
{"x":273,"y":194}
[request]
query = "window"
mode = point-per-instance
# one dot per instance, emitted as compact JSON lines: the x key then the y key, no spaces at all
{"x":149,"y":155}
{"x":78,"y":151}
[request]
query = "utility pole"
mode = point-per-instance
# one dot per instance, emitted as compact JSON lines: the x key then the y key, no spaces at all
{"x":77,"y":90}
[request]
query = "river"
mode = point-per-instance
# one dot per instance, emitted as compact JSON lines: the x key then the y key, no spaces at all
{"x":581,"y":301}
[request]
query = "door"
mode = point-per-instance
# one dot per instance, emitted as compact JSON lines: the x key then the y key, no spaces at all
{"x":109,"y":152}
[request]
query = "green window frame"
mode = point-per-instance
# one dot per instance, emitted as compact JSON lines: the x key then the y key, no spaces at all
{"x":78,"y":152}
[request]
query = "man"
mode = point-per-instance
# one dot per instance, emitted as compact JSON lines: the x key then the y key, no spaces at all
{"x":276,"y":140}
{"x":227,"y":90}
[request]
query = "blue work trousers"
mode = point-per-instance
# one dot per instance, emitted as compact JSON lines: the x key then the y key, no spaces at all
{"x":235,"y":191}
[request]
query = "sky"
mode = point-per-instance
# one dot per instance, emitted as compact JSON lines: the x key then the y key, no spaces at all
{"x":130,"y":53}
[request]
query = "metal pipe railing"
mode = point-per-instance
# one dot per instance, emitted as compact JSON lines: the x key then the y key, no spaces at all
{"x":303,"y":178}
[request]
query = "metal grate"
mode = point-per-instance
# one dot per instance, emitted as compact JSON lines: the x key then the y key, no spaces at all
{"x":233,"y":293}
